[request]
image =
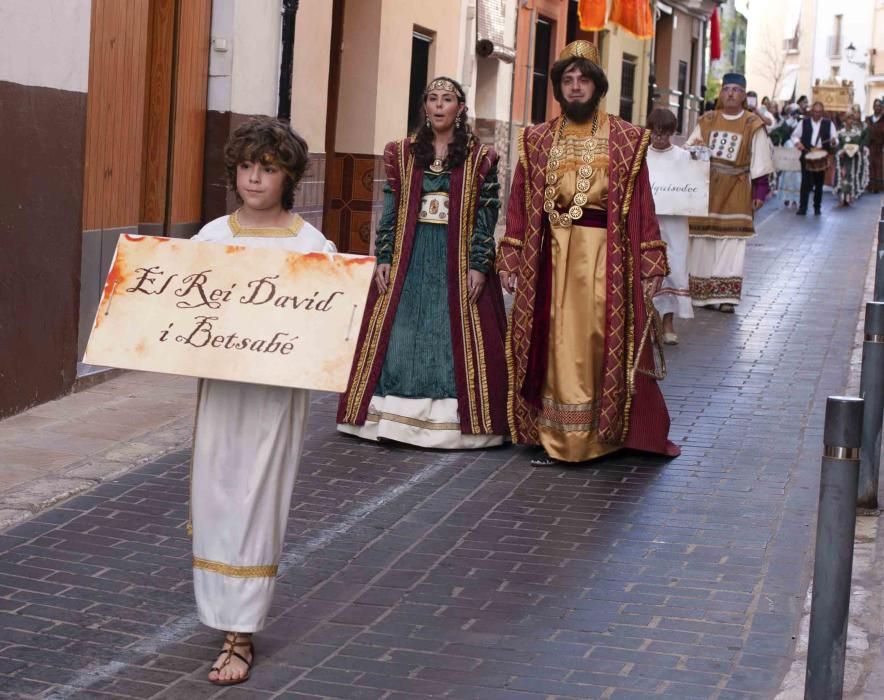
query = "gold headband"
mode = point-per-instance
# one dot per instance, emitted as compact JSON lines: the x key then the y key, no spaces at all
{"x":442,"y":84}
{"x":581,"y":49}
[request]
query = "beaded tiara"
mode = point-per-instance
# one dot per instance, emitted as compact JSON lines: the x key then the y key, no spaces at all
{"x":444,"y":84}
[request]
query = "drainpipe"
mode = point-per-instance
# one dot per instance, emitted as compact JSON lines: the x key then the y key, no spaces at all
{"x":509,"y":134}
{"x":529,"y":66}
{"x":286,"y":67}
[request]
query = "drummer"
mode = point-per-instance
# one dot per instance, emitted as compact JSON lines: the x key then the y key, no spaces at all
{"x":815,"y":138}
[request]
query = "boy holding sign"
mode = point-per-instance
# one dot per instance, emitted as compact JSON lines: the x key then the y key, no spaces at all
{"x":248,"y":437}
{"x":673,"y":298}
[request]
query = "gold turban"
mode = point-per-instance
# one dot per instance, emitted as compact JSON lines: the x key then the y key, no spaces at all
{"x":581,"y":49}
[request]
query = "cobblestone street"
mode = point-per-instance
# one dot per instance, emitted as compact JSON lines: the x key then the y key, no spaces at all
{"x":413,"y":574}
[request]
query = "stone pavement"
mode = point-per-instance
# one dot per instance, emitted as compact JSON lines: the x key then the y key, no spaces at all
{"x":414,"y":574}
{"x":64,"y":447}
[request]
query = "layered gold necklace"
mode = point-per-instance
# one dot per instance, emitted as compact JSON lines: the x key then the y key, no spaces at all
{"x":584,"y":174}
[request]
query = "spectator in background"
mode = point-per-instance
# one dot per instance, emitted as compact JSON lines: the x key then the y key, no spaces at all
{"x":759,"y":109}
{"x":803,"y":105}
{"x":875,"y":140}
{"x":851,"y":161}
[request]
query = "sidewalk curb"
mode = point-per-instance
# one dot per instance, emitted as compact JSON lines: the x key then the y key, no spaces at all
{"x":26,"y":500}
{"x":867,"y":587}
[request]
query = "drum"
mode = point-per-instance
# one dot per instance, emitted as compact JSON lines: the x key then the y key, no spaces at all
{"x":817,"y":160}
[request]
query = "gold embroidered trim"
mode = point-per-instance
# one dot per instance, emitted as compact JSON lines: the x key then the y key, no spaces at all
{"x":217,"y":567}
{"x":523,"y":157}
{"x":636,"y":167}
{"x":483,"y":367}
{"x":649,"y":245}
{"x":514,"y":242}
{"x":240,"y":231}
{"x":465,"y":307}
{"x":413,"y":422}
{"x":630,"y":284}
{"x":379,"y":315}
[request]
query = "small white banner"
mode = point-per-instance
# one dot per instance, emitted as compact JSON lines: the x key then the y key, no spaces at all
{"x":682,"y":191}
{"x":786,"y":159}
{"x":246,"y":314}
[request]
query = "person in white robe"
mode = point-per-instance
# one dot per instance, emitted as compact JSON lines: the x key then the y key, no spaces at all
{"x":673,"y":298}
{"x":248,"y":437}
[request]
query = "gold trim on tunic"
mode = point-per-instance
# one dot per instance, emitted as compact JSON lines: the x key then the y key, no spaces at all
{"x":240,"y":231}
{"x":217,"y":567}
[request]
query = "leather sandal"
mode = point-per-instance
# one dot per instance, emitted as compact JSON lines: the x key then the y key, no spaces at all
{"x":230,"y":638}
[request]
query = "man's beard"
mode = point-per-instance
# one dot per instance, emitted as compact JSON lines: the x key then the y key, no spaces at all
{"x":581,"y":112}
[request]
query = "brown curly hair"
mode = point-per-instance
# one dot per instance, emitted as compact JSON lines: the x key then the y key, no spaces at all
{"x":269,"y":141}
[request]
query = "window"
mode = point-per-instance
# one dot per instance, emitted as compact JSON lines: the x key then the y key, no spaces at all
{"x":627,"y":87}
{"x":540,"y":77}
{"x":420,"y":65}
{"x":683,"y":89}
{"x":835,"y":40}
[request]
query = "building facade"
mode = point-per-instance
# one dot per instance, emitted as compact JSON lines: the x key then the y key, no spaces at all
{"x":119,"y":110}
{"x":679,"y":68}
{"x":795,"y":44}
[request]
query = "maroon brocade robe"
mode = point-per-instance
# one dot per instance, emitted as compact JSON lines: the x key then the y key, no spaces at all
{"x":632,"y":411}
{"x":477,"y":330}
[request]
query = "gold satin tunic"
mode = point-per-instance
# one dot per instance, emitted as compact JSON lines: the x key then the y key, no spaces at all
{"x":568,"y":424}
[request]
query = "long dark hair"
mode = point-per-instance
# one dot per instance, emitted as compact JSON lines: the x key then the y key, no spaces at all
{"x":422,"y":146}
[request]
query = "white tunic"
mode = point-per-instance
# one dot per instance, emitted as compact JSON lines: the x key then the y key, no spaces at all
{"x":673,"y":296}
{"x":247,"y":444}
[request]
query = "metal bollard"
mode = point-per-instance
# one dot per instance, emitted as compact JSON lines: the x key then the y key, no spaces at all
{"x":872,"y":392}
{"x":833,"y":558}
{"x":878,"y":294}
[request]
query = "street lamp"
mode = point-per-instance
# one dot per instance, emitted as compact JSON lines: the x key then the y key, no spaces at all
{"x":850,"y":52}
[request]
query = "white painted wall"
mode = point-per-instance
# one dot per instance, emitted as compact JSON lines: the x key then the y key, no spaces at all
{"x":856,"y":28}
{"x":45,"y":43}
{"x":245,"y":77}
{"x":221,"y":62}
{"x":256,"y":56}
{"x":313,"y":26}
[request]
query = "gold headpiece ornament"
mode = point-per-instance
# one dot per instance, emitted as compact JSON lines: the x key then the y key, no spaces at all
{"x":442,"y":84}
{"x":581,"y":49}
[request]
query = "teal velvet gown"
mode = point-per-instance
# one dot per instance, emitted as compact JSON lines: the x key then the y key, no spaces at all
{"x":415,"y":400}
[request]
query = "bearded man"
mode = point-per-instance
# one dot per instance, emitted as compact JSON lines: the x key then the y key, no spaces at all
{"x":582,"y":254}
{"x":741,"y":160}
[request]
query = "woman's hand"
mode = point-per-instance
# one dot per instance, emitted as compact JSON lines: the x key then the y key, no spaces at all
{"x":508,"y":281}
{"x":476,"y":283}
{"x":382,"y":277}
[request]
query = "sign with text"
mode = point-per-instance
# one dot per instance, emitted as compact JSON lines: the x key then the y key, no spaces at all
{"x":786,"y":159}
{"x":246,"y":314}
{"x":681,"y":191}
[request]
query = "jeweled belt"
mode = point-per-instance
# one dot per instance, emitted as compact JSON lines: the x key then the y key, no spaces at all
{"x":591,"y":218}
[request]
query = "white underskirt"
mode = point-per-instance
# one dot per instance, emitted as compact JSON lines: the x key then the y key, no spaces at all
{"x":247,"y":445}
{"x":432,"y":423}
{"x":710,"y":258}
{"x":674,"y":297}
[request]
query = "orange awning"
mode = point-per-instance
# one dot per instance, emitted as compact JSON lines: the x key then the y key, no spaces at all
{"x":592,"y":14}
{"x":634,"y":16}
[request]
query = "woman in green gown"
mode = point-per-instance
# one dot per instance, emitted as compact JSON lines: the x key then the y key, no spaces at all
{"x":430,"y":368}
